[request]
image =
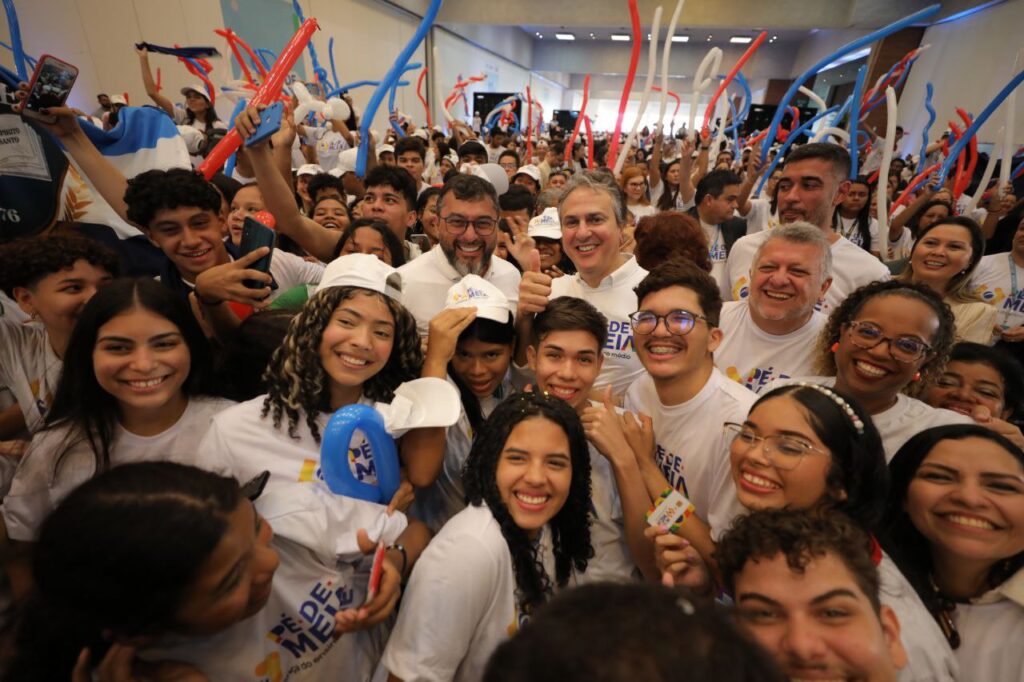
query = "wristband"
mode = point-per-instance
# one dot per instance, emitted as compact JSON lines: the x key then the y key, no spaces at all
{"x":405,"y":556}
{"x":670,"y":510}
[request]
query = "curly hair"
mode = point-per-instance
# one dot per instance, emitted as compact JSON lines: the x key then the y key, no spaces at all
{"x":23,"y":262}
{"x":570,"y":527}
{"x":941,"y":341}
{"x":157,"y":190}
{"x":296,"y":381}
{"x":671,"y":234}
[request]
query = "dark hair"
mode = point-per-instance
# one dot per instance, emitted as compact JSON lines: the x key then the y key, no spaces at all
{"x":472,"y":147}
{"x":322,"y":181}
{"x":801,"y":537}
{"x":1008,"y":367}
{"x":958,"y":288}
{"x":486,"y":331}
{"x":517,"y":198}
{"x":927,"y":206}
{"x":569,"y":314}
{"x":396,"y":178}
{"x":909,"y":549}
{"x":603,"y":632}
{"x":130,"y":512}
{"x":941,"y":342}
{"x":297,"y":384}
{"x":714,"y":183}
{"x":228,"y":187}
{"x":863,"y":216}
{"x":685,"y":274}
{"x":81,"y":404}
{"x":670,"y":192}
{"x":391,"y":242}
{"x":468,"y":188}
{"x":668,"y":235}
{"x":570,"y":527}
{"x":424,"y":198}
{"x":833,"y":153}
{"x":411,"y":144}
{"x":509,"y":152}
{"x":211,"y":113}
{"x":158,"y":190}
{"x":247,"y":354}
{"x":26,"y":261}
{"x":857,"y":479}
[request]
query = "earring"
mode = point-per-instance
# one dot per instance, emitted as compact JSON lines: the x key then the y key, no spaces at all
{"x":917,"y":376}
{"x":835,"y":347}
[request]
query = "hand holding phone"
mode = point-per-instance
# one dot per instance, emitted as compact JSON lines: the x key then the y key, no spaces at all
{"x":50,"y":87}
{"x":270,"y":123}
{"x":257,"y":231}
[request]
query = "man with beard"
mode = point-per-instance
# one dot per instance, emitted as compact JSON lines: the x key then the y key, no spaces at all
{"x":770,"y":334}
{"x":814,"y":181}
{"x":467,"y":234}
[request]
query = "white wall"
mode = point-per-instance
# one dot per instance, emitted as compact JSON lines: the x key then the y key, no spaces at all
{"x":968,"y":62}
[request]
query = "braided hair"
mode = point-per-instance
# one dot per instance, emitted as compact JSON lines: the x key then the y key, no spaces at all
{"x":570,"y":527}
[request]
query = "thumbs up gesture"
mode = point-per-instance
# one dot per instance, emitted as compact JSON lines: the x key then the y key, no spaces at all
{"x":603,"y":427}
{"x":535,"y":287}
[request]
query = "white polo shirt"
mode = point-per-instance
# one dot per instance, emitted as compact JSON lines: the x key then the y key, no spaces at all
{"x":426,"y":280}
{"x":1000,"y":282}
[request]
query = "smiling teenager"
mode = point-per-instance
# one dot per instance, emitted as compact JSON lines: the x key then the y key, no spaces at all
{"x":524,"y":533}
{"x":955,"y":526}
{"x":135,"y":387}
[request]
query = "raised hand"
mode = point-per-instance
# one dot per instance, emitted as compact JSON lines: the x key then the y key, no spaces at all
{"x":535,"y":287}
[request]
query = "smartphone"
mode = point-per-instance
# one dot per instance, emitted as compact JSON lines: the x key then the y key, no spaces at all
{"x":50,"y":86}
{"x":270,"y":123}
{"x":376,"y":572}
{"x":254,"y":235}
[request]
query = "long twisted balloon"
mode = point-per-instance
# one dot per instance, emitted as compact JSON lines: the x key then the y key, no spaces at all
{"x":634,"y":58}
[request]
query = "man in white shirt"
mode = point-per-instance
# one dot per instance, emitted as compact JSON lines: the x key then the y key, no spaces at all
{"x":814,"y":181}
{"x":717,"y":199}
{"x":687,"y":398}
{"x":496,"y":145}
{"x":467,"y":235}
{"x":770,"y":335}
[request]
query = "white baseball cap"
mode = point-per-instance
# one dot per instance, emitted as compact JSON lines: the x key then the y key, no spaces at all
{"x":382,"y":148}
{"x":194,"y":87}
{"x":419,"y":404}
{"x":491,"y":172}
{"x":118,"y":99}
{"x":364,"y":271}
{"x":309,"y":169}
{"x":473,"y":291}
{"x":421,"y":133}
{"x":346,"y":161}
{"x":546,"y":225}
{"x":530,"y":171}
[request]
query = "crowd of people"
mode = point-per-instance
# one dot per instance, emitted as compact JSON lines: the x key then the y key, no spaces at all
{"x":649,"y":425}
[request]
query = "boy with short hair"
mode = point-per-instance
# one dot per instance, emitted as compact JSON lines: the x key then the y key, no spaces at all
{"x":565,"y":356}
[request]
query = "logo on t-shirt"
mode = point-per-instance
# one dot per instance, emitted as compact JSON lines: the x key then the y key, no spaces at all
{"x":309,"y":628}
{"x":620,"y":343}
{"x":755,"y":379}
{"x":740,"y":289}
{"x":360,"y":461}
{"x":672,"y":466}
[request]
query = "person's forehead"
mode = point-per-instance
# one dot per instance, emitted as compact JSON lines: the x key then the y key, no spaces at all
{"x":776,"y":579}
{"x":586,"y":200}
{"x":807,"y":168}
{"x":780,"y":250}
{"x":479,"y":206}
{"x":673,"y":297}
{"x":573,"y":341}
{"x":180,"y":214}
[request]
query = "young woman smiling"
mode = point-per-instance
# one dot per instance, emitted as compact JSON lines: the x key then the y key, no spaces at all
{"x":944,"y":256}
{"x":132,"y":389}
{"x":525,"y":531}
{"x":954,"y":524}
{"x":807,"y":446}
{"x":634,"y":187}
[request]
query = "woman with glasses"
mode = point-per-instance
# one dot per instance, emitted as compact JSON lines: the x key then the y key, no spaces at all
{"x":885,"y":339}
{"x":954,"y":524}
{"x":944,"y":257}
{"x":810,"y":447}
{"x":634,"y":185}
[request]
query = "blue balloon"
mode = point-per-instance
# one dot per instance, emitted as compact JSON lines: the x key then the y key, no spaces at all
{"x":334,"y":455}
{"x":855,"y":119}
{"x":929,"y":91}
{"x":15,"y":30}
{"x":806,"y":125}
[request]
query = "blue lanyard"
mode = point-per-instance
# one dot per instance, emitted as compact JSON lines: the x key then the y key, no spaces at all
{"x":1013,"y":275}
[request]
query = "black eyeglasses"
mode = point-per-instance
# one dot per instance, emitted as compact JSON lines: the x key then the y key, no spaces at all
{"x":867,"y":335}
{"x":483,"y":226}
{"x":678,"y":322}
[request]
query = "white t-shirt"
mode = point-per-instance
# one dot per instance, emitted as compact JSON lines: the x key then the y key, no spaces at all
{"x":848,"y":228}
{"x":760,"y":217}
{"x":290,"y":638}
{"x":426,"y":280}
{"x":289,"y":270}
{"x":929,"y":656}
{"x":615,"y":299}
{"x":640,"y":211}
{"x":992,"y":629}
{"x":329,"y":144}
{"x":852,"y":267}
{"x":29,"y":369}
{"x":692,"y":446}
{"x":39,"y":486}
{"x":460,"y":603}
{"x":244,"y":444}
{"x":1001,"y":286}
{"x":181,"y":118}
{"x":718,"y":256}
{"x":612,"y":560}
{"x":904,"y":420}
{"x":659,"y":189}
{"x":753,"y":357}
{"x":901,"y":248}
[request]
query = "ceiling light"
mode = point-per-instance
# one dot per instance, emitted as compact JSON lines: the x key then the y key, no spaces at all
{"x":775,"y":37}
{"x":741,"y":40}
{"x":709,"y":39}
{"x":565,"y":36}
{"x":620,"y":37}
{"x":539,"y":35}
{"x":680,"y":39}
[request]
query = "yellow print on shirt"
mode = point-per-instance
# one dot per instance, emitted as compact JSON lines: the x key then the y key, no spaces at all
{"x":740,"y":289}
{"x":270,"y":668}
